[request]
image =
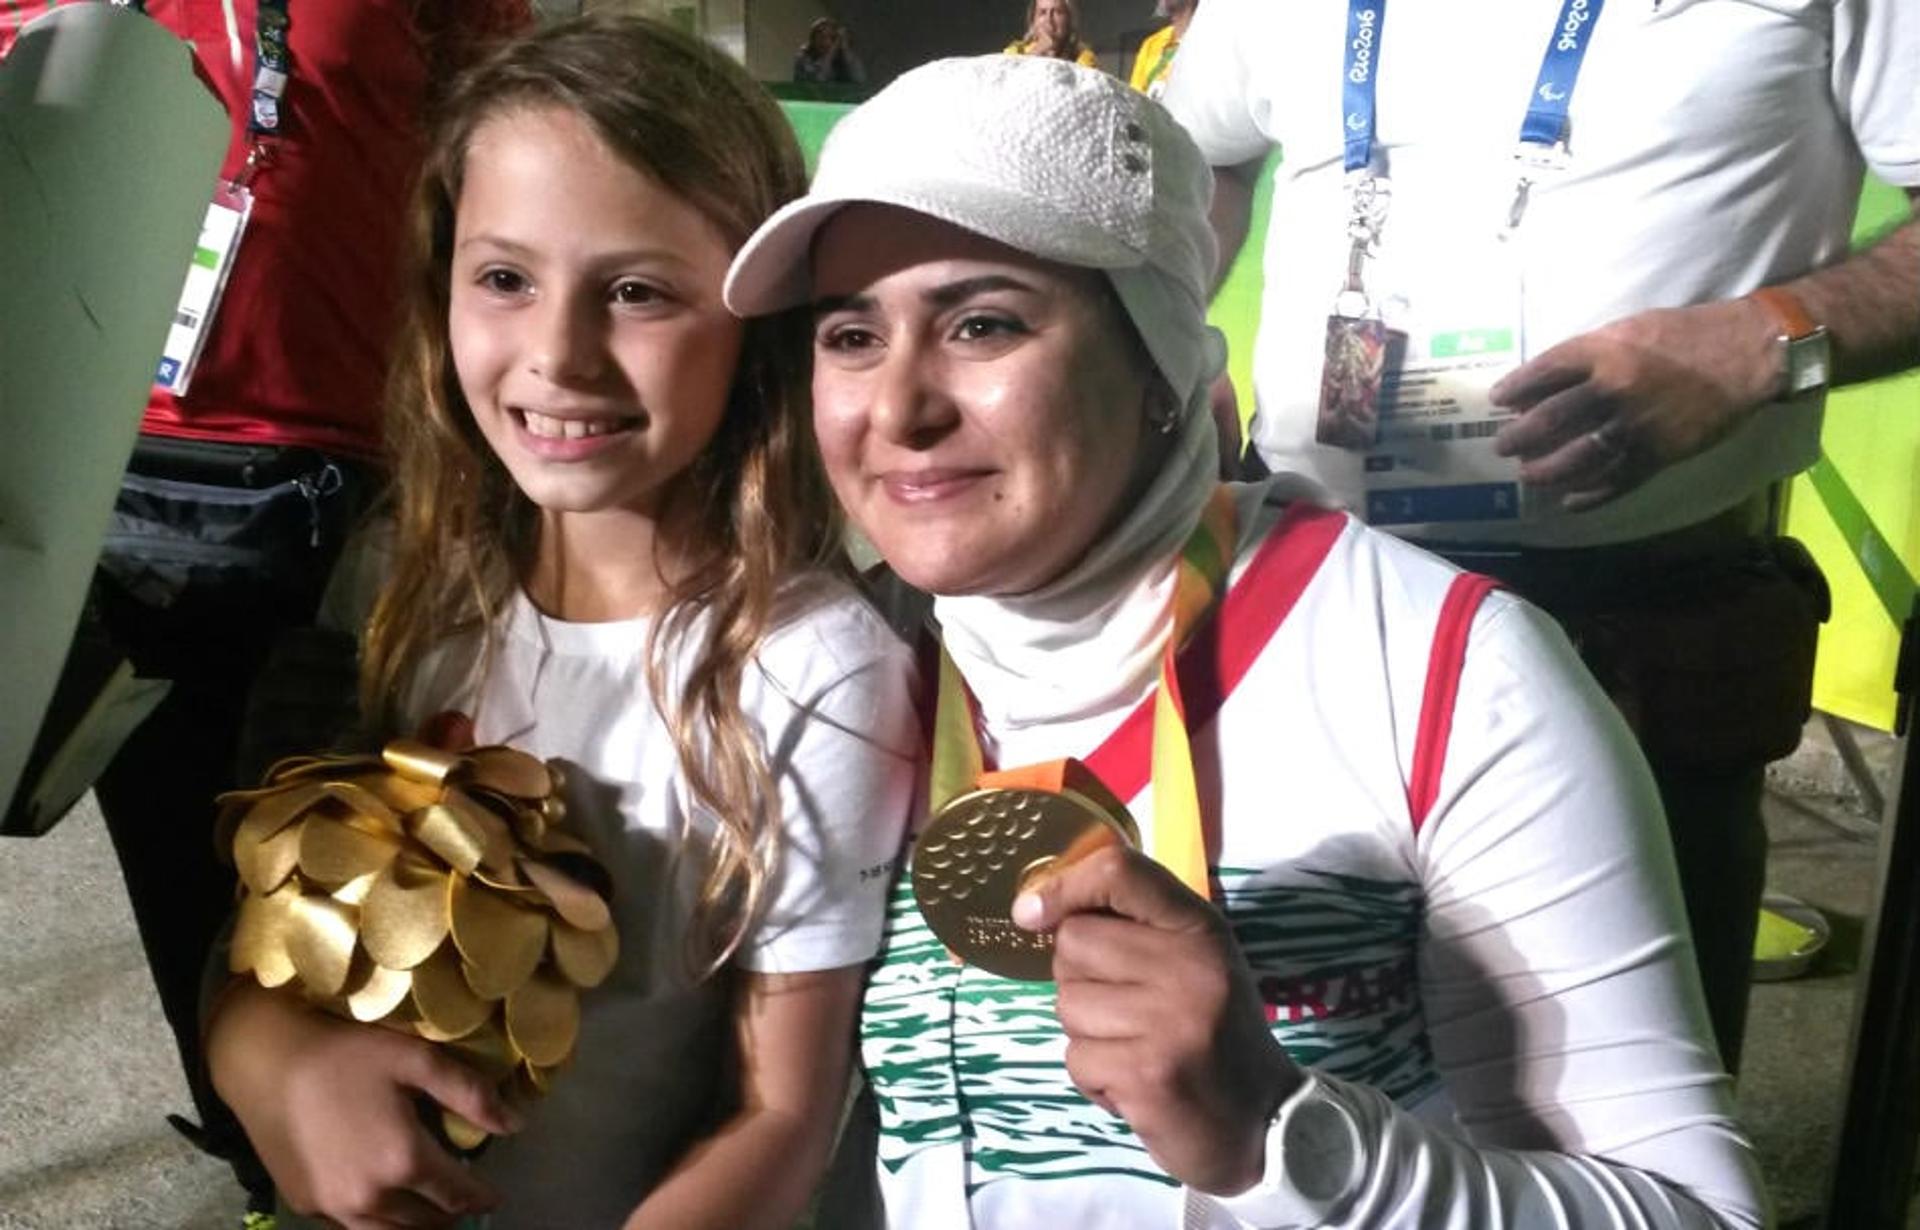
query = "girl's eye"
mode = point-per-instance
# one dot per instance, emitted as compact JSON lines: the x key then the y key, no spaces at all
{"x":503,"y":281}
{"x":846,"y":339}
{"x":631,"y":293}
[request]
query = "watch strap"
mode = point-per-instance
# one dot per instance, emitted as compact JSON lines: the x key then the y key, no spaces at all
{"x":1803,"y":346}
{"x":1787,"y":311}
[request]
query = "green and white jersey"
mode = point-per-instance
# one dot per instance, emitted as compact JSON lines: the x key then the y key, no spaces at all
{"x":1502,"y":993}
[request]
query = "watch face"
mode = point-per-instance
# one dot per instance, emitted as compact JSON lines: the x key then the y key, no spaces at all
{"x":1322,"y":1150}
{"x":1807,"y":362}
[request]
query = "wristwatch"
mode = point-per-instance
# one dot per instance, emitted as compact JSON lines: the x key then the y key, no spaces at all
{"x":1805,"y":355}
{"x":1316,"y":1163}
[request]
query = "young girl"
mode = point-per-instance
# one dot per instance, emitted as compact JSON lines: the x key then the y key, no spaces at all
{"x":607,"y":540}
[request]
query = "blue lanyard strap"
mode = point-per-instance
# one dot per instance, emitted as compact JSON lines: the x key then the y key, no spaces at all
{"x":271,"y":67}
{"x":1365,"y":19}
{"x":1546,"y":120}
{"x":1545,"y":124}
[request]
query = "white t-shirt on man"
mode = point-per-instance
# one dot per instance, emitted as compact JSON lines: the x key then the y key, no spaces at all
{"x":1715,"y":146}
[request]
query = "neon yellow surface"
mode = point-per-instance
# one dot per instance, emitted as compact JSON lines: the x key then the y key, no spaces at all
{"x":1872,"y":436}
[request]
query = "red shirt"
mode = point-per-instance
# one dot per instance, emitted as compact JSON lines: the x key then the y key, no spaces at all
{"x":297,"y":352}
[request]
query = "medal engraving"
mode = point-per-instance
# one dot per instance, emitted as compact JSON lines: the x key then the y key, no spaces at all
{"x":984,"y":848}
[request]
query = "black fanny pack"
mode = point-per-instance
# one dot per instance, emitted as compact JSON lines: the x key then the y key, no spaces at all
{"x":1710,"y":657}
{"x":201,"y":515}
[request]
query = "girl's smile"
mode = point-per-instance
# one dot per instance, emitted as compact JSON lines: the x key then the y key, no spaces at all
{"x":584,"y":317}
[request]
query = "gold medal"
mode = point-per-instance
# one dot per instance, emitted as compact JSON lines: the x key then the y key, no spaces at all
{"x":984,"y":848}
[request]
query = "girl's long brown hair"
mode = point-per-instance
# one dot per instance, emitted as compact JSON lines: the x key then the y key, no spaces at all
{"x":752,"y":510}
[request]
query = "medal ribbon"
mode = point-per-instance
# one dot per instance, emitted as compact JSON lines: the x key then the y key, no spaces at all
{"x":1179,"y":842}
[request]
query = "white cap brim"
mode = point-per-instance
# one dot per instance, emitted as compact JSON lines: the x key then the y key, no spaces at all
{"x":774,"y":268}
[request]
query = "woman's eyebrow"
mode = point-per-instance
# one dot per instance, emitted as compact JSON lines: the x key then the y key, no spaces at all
{"x":827,"y":304}
{"x":966,"y":288}
{"x":942,"y":296}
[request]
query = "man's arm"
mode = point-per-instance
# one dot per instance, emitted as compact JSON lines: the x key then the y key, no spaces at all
{"x":1870,"y":303}
{"x":1232,"y":212}
{"x":1604,"y":411}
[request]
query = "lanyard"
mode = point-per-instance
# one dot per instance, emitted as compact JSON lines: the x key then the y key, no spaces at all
{"x":271,"y":67}
{"x":1543,"y":130}
{"x":1179,"y":842}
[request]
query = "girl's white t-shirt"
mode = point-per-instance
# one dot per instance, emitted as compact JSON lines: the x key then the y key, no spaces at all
{"x":831,"y":694}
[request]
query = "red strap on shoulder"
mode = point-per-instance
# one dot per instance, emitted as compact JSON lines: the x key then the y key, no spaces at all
{"x":1443,"y":689}
{"x":1226,"y":643}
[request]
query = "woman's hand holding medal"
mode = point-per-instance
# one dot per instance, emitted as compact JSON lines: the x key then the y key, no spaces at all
{"x":1164,"y":1026}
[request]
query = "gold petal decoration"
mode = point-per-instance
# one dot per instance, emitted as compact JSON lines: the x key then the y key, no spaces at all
{"x":259,"y":941}
{"x":442,"y":830}
{"x":428,"y":892}
{"x":333,"y":854}
{"x":402,"y":794}
{"x":446,"y":1004}
{"x":508,"y":771}
{"x":320,"y":940}
{"x":265,"y":865}
{"x":421,"y":762}
{"x":462,"y":1135}
{"x":363,"y":801}
{"x":543,"y":1019}
{"x":585,"y":957}
{"x":374,"y":991}
{"x":501,"y":942}
{"x":405,"y":914}
{"x":572,"y":900}
{"x":354,"y":892}
{"x":304,"y":768}
{"x":492,"y":833}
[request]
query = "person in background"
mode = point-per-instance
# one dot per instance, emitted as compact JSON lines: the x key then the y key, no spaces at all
{"x":1053,"y":32}
{"x":1644,"y":211}
{"x":827,"y":57}
{"x":251,"y":465}
{"x":1395,"y":941}
{"x":1155,"y":58}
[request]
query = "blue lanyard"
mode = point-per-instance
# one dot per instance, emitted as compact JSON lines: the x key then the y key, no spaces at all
{"x":1545,"y":125}
{"x":1365,"y":20}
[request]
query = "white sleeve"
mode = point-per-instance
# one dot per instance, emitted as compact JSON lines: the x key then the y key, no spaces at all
{"x":1557,"y":977}
{"x":1876,"y":83}
{"x":845,"y":756}
{"x":1210,"y":83}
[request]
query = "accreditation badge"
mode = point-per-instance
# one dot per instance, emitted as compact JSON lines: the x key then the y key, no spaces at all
{"x":206,"y":282}
{"x":1459,"y":327}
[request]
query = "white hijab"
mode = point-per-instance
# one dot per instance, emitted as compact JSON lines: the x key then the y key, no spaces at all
{"x":1090,"y":640}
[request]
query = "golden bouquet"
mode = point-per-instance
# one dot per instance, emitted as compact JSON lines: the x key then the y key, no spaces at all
{"x":432,"y":892}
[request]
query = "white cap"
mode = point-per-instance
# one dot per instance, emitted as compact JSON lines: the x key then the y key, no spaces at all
{"x":1063,"y":162}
